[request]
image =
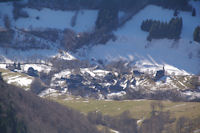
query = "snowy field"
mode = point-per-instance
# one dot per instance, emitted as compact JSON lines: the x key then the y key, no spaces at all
{"x":9,"y":55}
{"x":47,"y":18}
{"x":85,"y":22}
{"x":179,"y":57}
{"x":21,"y":55}
{"x":58,"y":19}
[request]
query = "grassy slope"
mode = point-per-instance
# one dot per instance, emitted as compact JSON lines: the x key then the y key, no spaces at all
{"x":138,"y":108}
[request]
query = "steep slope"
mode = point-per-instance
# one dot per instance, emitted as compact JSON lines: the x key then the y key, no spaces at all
{"x":180,"y":57}
{"x":32,"y":114}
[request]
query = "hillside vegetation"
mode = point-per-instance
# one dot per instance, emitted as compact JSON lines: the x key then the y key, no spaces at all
{"x":151,"y":116}
{"x":23,"y":112}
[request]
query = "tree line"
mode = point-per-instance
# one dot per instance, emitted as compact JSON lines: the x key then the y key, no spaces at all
{"x":173,"y":4}
{"x":96,"y":4}
{"x":159,"y":30}
{"x":159,"y":121}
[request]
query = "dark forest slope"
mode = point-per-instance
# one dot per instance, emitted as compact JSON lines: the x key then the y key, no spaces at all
{"x":23,"y":112}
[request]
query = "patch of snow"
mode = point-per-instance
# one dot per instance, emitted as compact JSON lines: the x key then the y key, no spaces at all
{"x":47,"y":92}
{"x":114,"y":131}
{"x":100,"y":73}
{"x":140,"y":121}
{"x":17,"y":79}
{"x":87,"y":70}
{"x":85,"y":101}
{"x":64,"y":74}
{"x":21,"y":81}
{"x":38,"y":67}
{"x":197,"y":131}
{"x":10,"y":55}
{"x":118,"y":94}
{"x":192,"y":95}
{"x":65,"y":56}
{"x":106,"y":84}
{"x":176,"y":106}
{"x":3,"y":66}
{"x":124,"y":85}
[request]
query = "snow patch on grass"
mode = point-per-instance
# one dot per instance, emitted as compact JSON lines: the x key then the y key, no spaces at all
{"x":21,"y":81}
{"x":118,"y":94}
{"x":38,"y":67}
{"x":17,"y":79}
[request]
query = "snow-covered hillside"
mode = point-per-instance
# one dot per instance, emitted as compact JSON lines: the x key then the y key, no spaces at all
{"x":84,"y":20}
{"x":87,"y":71}
{"x":179,"y":56}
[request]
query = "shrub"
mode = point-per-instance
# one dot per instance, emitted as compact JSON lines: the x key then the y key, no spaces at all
{"x":37,"y":86}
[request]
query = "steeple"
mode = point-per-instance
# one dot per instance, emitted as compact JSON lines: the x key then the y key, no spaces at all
{"x":164,"y":69}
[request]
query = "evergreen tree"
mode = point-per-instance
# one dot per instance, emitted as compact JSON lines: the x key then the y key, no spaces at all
{"x":1,"y":80}
{"x":153,"y":31}
{"x":193,"y":12}
{"x":175,"y":13}
{"x":143,"y":25}
{"x":15,"y":65}
{"x":162,"y":30}
{"x":19,"y":66}
{"x":108,"y":15}
{"x":196,"y":34}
